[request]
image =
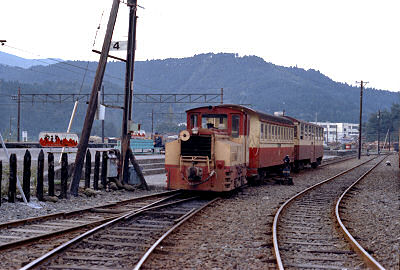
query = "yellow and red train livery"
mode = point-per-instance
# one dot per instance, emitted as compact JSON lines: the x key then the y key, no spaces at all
{"x":225,"y":145}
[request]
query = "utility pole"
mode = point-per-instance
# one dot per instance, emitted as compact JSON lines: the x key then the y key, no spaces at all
{"x":152,"y":123}
{"x":102,"y":121}
{"x":9,"y":138}
{"x":379,"y":130}
{"x":130,"y":61}
{"x":91,"y":111}
{"x":222,"y":95}
{"x":19,"y":115}
{"x":360,"y":127}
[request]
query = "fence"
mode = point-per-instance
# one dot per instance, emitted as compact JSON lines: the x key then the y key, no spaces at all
{"x":26,"y":180}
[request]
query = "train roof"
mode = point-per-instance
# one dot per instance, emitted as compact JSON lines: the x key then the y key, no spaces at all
{"x":264,"y":116}
{"x":301,"y":121}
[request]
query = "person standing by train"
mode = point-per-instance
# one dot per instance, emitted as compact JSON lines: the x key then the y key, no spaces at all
{"x":286,"y":170}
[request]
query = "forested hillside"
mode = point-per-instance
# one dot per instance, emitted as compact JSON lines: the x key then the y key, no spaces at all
{"x":305,"y":94}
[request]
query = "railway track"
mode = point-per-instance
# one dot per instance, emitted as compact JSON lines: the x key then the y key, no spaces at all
{"x":305,"y":234}
{"x":124,"y":242}
{"x":335,"y":161}
{"x":24,"y":231}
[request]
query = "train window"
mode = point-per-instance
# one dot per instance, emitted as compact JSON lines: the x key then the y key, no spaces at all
{"x":265,"y":131}
{"x":269,"y":132}
{"x":218,"y":121}
{"x":278,"y":133}
{"x":301,"y":131}
{"x":262,"y":131}
{"x":305,"y":132}
{"x":235,"y":126}
{"x":193,"y":120}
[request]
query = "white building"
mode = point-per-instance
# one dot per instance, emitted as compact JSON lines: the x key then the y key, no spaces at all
{"x":340,"y":132}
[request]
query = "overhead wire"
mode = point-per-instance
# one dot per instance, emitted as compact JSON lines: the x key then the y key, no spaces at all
{"x":94,"y":42}
{"x":86,"y":69}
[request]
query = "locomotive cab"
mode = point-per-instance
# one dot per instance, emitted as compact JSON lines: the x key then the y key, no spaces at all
{"x":210,"y":155}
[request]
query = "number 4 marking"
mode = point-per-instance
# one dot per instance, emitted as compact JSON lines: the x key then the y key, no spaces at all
{"x":116,"y":45}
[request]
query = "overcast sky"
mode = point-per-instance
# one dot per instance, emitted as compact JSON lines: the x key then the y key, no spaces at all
{"x":347,"y":40}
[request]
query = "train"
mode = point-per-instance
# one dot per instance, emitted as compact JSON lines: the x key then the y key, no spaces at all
{"x":226,"y":146}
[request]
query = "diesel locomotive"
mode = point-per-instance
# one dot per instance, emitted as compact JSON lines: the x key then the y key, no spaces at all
{"x":225,"y":146}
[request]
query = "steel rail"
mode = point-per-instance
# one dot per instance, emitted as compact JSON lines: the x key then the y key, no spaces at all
{"x":73,"y":212}
{"x":88,"y":233}
{"x":335,"y":161}
{"x":276,"y":218}
{"x":73,"y":228}
{"x":371,"y":262}
{"x":180,"y":221}
{"x":128,"y":215}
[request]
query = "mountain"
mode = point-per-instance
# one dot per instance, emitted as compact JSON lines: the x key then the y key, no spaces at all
{"x":15,"y":61}
{"x":304,"y":94}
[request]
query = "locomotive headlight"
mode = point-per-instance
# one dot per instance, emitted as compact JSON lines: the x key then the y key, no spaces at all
{"x":195,"y":130}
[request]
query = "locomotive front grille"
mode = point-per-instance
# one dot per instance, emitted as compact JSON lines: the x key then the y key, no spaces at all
{"x":197,"y":146}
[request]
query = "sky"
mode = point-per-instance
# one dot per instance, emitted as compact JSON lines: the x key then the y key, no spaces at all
{"x":347,"y":40}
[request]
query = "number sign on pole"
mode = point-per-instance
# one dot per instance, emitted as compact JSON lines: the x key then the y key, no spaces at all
{"x":119,"y":46}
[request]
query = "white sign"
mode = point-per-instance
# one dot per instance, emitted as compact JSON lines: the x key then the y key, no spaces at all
{"x":119,"y":46}
{"x":58,"y":139}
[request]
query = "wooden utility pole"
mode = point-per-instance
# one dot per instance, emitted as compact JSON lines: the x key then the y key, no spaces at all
{"x":19,"y":115}
{"x":379,"y":131}
{"x":222,"y":95}
{"x":91,"y":111}
{"x":130,"y":61}
{"x":152,"y":123}
{"x":102,"y":121}
{"x":360,"y":127}
{"x":10,"y":129}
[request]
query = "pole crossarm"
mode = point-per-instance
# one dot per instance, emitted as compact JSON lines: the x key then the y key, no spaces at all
{"x":118,"y":99}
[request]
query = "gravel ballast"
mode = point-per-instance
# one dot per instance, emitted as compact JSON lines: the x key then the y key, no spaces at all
{"x":235,"y":233}
{"x":372,"y":213}
{"x":19,"y":210}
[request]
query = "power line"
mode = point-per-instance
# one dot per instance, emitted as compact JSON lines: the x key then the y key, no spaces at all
{"x":61,"y":62}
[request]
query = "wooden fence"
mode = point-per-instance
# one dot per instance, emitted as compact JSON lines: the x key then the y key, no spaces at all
{"x":26,"y":180}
